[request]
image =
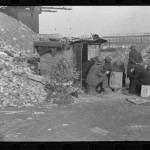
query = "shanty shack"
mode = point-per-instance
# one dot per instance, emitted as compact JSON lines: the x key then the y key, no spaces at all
{"x":80,"y":50}
{"x":84,"y":50}
{"x":47,"y":51}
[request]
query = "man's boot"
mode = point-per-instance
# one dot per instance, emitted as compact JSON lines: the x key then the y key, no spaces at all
{"x":103,"y":91}
{"x":91,"y":90}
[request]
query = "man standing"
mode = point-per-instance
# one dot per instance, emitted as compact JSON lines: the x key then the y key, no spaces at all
{"x":97,"y":75}
{"x":108,"y":66}
{"x":135,"y":58}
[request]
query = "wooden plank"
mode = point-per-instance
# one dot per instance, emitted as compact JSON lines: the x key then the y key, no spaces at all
{"x":46,"y":65}
{"x":138,"y":100}
{"x":46,"y":70}
{"x":46,"y":55}
{"x":47,"y":58}
{"x":47,"y":44}
{"x":41,"y":79}
{"x":35,"y":77}
{"x":42,"y":50}
{"x":12,"y":112}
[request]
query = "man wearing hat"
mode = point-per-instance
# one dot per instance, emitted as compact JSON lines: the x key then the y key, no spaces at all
{"x":85,"y":69}
{"x":107,"y":63}
{"x":97,"y":75}
{"x":135,"y":58}
{"x":87,"y":65}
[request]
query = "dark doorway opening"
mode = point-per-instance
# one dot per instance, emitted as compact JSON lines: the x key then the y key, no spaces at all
{"x":84,"y":53}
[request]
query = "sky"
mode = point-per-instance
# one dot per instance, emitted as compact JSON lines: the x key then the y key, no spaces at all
{"x":101,"y":20}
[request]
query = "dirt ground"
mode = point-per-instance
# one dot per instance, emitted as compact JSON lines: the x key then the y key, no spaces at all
{"x":106,"y":118}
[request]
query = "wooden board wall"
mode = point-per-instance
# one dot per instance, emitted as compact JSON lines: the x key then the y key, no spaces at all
{"x":46,"y":62}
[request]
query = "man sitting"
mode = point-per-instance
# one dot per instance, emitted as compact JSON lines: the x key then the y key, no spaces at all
{"x":97,"y":75}
{"x":140,"y":77}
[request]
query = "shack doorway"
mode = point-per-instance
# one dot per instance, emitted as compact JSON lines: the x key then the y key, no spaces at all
{"x":84,"y":53}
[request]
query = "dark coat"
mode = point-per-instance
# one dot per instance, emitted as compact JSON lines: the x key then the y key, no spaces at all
{"x":95,"y":75}
{"x":118,"y":67}
{"x":86,"y":67}
{"x":134,"y":57}
{"x":107,"y":66}
{"x":142,"y":75}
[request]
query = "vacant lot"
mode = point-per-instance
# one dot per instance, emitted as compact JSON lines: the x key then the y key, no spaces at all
{"x":109,"y":117}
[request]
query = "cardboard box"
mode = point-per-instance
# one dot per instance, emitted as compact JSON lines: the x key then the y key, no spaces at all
{"x":145,"y":91}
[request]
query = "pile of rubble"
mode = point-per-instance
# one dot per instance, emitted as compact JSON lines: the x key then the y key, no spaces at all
{"x":146,"y":53}
{"x":17,"y":35}
{"x":17,"y":39}
{"x":16,"y":47}
{"x":16,"y":88}
{"x":19,"y":86}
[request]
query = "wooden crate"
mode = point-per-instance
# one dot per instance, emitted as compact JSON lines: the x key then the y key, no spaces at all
{"x":145,"y":91}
